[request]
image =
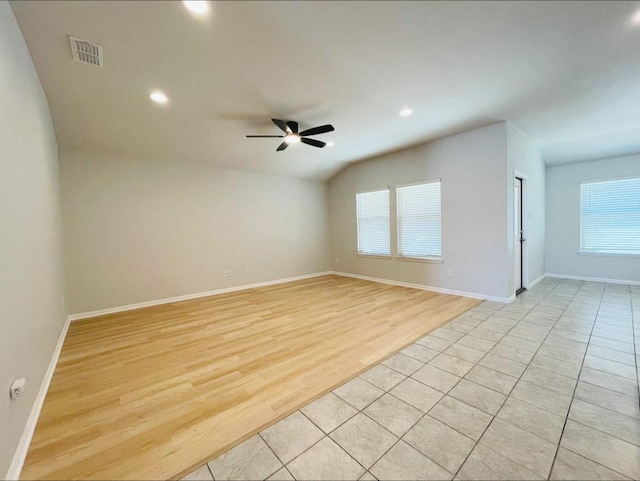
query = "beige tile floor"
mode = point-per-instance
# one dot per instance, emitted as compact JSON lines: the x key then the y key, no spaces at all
{"x":544,"y":387}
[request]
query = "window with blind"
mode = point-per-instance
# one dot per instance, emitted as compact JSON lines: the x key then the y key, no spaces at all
{"x":610,"y":217}
{"x":419,"y":220}
{"x":373,"y":222}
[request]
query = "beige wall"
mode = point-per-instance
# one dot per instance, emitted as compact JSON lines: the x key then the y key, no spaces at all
{"x":473,"y":169}
{"x":31,"y":279}
{"x":139,"y":231}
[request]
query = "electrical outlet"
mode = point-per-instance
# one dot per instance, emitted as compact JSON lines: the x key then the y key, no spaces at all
{"x":248,"y":270}
{"x":450,"y":273}
{"x":337,"y":260}
{"x":229,"y":273}
{"x":17,"y":388}
{"x":225,"y":273}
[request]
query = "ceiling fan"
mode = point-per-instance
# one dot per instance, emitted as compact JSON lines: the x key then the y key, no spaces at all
{"x":292,"y":136}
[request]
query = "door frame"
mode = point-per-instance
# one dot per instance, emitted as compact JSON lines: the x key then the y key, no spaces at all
{"x":524,"y":209}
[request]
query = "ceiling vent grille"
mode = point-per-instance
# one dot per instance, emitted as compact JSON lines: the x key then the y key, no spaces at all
{"x":86,"y":52}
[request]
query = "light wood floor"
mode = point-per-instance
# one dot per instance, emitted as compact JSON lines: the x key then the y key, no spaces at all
{"x":154,"y":393}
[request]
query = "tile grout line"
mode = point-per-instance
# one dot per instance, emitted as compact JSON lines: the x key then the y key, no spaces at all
{"x":622,"y":377}
{"x":360,"y":411}
{"x":607,"y":389}
{"x":400,"y":438}
{"x":577,"y":379}
{"x":608,"y":410}
{"x":611,"y":360}
{"x":573,"y":395}
{"x":410,"y":428}
{"x":536,"y":353}
{"x":590,"y":427}
{"x":518,"y":380}
{"x":507,"y":395}
{"x":328,"y":435}
{"x":532,"y":308}
{"x":274,"y":453}
{"x":447,"y":393}
{"x":494,"y":416}
{"x":287,"y":470}
{"x":324,"y":435}
{"x":528,"y":364}
{"x":424,"y":414}
{"x":529,"y":311}
{"x":605,"y":407}
{"x":476,"y":442}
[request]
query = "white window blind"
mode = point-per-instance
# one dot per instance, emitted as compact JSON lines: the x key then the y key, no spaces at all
{"x":419,"y":220}
{"x":610,"y":216}
{"x":373,"y":222}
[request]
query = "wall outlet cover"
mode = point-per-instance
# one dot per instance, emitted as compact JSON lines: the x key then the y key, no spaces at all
{"x":17,"y":388}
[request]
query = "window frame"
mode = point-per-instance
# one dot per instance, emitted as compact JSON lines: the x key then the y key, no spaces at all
{"x":429,"y":259}
{"x":603,"y":253}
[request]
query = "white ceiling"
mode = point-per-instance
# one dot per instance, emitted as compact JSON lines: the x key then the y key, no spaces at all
{"x":566,"y":74}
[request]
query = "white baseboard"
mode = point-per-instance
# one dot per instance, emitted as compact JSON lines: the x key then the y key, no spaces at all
{"x":534,"y":283}
{"x":473,"y":295}
{"x":25,"y":440}
{"x":112,"y":310}
{"x":594,"y":279}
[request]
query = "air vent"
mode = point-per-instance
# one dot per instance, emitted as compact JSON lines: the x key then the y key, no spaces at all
{"x":86,"y":52}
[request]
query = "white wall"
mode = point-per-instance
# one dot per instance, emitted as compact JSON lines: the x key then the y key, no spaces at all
{"x":31,"y":278}
{"x":473,"y":170}
{"x":524,"y":159}
{"x":139,"y":231}
{"x":563,"y":220}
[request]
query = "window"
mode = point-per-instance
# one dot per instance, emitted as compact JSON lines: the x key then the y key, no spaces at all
{"x":610,"y":217}
{"x":419,"y":226}
{"x":373,"y":222}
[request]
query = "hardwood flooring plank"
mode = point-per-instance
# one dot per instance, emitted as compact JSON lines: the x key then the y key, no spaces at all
{"x":155,"y":392}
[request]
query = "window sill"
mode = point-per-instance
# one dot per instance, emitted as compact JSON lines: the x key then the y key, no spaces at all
{"x":606,"y":254}
{"x":429,"y":260}
{"x":373,"y":256}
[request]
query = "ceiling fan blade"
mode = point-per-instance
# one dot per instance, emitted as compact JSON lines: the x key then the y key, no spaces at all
{"x":282,"y":146}
{"x":315,"y":143}
{"x":293,"y":126}
{"x":318,"y":130}
{"x":265,"y":136}
{"x":281,"y":124}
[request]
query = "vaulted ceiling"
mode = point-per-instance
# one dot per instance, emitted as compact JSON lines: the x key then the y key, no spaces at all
{"x":566,"y":74}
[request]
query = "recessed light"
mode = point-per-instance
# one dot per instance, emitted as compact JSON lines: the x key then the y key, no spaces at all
{"x":158,"y":97}
{"x":635,"y":18}
{"x":199,"y":7}
{"x":330,"y":144}
{"x":406,"y":112}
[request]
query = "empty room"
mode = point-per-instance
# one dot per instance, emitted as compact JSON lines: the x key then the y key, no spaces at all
{"x":321,"y":240}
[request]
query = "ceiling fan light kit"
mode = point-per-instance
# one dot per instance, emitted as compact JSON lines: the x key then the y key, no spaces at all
{"x":292,"y":136}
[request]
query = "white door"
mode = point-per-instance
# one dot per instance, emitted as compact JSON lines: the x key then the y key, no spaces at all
{"x":517,"y":237}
